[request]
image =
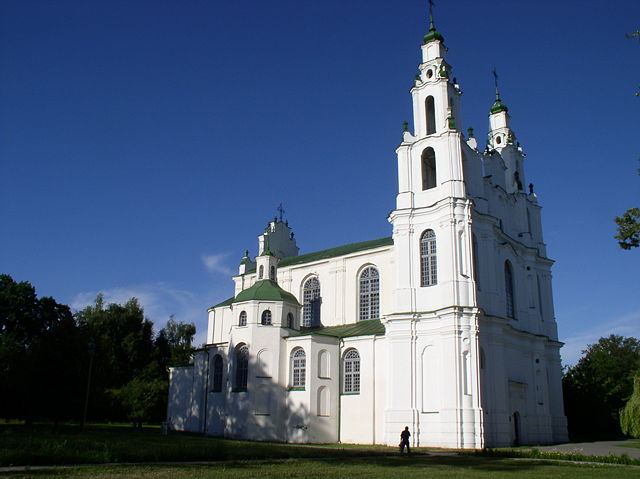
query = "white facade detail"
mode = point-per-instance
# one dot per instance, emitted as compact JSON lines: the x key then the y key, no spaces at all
{"x":446,"y":327}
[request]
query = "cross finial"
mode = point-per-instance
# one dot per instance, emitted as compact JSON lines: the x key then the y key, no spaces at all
{"x":281,"y":211}
{"x":495,"y":80}
{"x":431,"y":24}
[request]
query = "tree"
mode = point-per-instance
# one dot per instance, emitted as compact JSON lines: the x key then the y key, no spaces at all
{"x":39,"y":346}
{"x":175,"y":342}
{"x":630,"y":414}
{"x":628,"y":229}
{"x":598,"y":386}
{"x":122,"y":339}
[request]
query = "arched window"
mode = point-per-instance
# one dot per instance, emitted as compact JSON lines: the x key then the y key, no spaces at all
{"x":242,"y":367}
{"x":323,"y":401}
{"x":311,"y":303}
{"x":290,"y":324}
{"x":266,"y":318}
{"x":476,"y":260}
{"x":242,"y":320}
{"x":298,"y":368}
{"x":216,"y":385}
{"x":428,"y":260}
{"x":428,"y":169}
{"x":508,"y":289}
{"x":351,"y":372}
{"x":261,"y":272}
{"x":369,"y":294}
{"x":272,"y":273}
{"x":323,"y":364}
{"x":430,"y":111}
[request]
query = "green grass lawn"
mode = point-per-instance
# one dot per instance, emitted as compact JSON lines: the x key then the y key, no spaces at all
{"x":433,"y":467}
{"x":44,"y":445}
{"x":634,"y":443}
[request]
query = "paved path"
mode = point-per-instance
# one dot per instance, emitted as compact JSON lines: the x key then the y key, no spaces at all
{"x":600,"y":448}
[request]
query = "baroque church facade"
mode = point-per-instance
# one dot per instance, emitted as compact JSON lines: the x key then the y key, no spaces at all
{"x":447,"y":326}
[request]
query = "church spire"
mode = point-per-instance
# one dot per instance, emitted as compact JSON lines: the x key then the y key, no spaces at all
{"x":498,"y":106}
{"x":433,"y":33}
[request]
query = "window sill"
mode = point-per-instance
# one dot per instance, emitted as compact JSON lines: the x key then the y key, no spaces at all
{"x":297,"y":388}
{"x":263,"y":414}
{"x":350,"y":394}
{"x":262,"y":377}
{"x":239,"y":390}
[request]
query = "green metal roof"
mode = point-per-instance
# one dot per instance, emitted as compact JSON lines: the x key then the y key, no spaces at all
{"x":338,"y":251}
{"x":498,"y":106}
{"x":433,"y":33}
{"x":265,"y":290}
{"x":361,"y":328}
{"x":226,"y":302}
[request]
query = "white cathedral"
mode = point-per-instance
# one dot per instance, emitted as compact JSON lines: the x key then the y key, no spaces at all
{"x":446,"y":327}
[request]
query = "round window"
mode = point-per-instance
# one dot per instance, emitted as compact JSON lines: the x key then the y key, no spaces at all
{"x":429,"y":73}
{"x":498,"y":140}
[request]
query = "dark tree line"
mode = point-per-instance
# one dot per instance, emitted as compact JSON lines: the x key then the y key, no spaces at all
{"x":50,"y":359}
{"x":599,"y":386}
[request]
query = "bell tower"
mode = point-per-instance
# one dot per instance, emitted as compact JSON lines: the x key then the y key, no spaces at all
{"x":433,"y":326}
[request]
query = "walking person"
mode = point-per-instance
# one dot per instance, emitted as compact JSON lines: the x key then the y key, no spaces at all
{"x":404,"y":440}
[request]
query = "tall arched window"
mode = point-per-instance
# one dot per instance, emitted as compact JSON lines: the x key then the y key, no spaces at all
{"x":351,"y":372}
{"x":272,"y":273}
{"x":298,"y":368}
{"x":476,"y":259}
{"x":428,"y":260}
{"x":261,"y":272}
{"x":290,"y":321}
{"x":428,"y":169}
{"x":508,"y":289}
{"x":242,"y":320}
{"x":216,"y":386}
{"x":311,"y":303}
{"x":369,"y":294}
{"x":266,"y":318}
{"x":242,"y":366}
{"x":430,"y":112}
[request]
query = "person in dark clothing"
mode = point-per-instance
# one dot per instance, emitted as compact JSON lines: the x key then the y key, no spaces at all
{"x":404,"y":440}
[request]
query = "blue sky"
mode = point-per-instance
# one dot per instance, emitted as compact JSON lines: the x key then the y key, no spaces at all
{"x":145,"y":144}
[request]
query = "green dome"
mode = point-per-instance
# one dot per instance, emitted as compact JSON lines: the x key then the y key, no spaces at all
{"x":266,"y":290}
{"x":498,"y":106}
{"x":433,"y":33}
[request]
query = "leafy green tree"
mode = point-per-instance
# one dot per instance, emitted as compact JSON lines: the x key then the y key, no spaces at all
{"x":39,"y":348}
{"x":144,"y":398}
{"x":174,"y":343}
{"x":599,"y":385}
{"x":122,"y":339}
{"x":628,"y":229}
{"x":630,"y":414}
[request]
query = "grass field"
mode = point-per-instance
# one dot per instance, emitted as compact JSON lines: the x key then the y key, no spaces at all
{"x":44,"y":445}
{"x":432,"y":467}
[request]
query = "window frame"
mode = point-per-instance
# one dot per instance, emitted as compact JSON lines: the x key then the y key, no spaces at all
{"x":311,"y":302}
{"x":369,"y":293}
{"x":266,"y":318}
{"x":351,"y":362}
{"x":428,"y":258}
{"x":298,"y":367}
{"x":242,"y":318}
{"x":241,"y":359}
{"x":217,"y":373}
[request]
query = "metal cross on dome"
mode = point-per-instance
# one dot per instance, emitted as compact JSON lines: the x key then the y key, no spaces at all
{"x":281,"y":211}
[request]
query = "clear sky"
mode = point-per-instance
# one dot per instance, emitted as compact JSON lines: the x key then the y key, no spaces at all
{"x":144,"y":144}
